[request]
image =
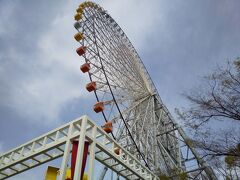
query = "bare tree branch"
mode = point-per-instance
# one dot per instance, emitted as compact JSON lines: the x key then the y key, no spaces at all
{"x":217,"y":100}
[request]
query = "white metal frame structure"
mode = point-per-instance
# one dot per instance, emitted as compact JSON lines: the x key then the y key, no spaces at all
{"x":142,"y":123}
{"x":57,"y":143}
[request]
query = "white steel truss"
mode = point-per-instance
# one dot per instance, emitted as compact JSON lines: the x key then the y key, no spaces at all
{"x":57,"y":143}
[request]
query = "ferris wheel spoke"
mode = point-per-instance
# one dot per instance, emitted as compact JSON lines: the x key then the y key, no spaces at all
{"x":119,"y":87}
{"x":130,"y":108}
{"x":112,"y":80}
{"x":129,"y":64}
{"x":130,"y":88}
{"x":125,"y":66}
{"x":121,"y":80}
{"x":120,"y":98}
{"x":130,"y":54}
{"x":144,"y":147}
{"x":120,"y":49}
{"x":108,"y":64}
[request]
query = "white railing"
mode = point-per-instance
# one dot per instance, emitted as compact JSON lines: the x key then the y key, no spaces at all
{"x":57,"y":143}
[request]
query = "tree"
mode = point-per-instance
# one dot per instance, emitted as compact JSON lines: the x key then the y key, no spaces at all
{"x":218,"y":98}
{"x":216,"y":102}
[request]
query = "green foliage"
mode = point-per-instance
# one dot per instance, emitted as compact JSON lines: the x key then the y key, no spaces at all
{"x":230,"y":161}
{"x":190,"y":142}
{"x":228,"y":178}
{"x":164,"y":177}
{"x":177,"y":174}
{"x":183,"y":176}
{"x":237,"y":63}
{"x":238,"y":148}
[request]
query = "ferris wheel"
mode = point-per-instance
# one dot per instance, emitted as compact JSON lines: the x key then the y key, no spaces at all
{"x":127,"y":98}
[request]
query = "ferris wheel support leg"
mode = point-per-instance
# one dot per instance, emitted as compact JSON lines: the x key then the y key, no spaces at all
{"x":66,"y":155}
{"x":179,"y":151}
{"x":154,"y":122}
{"x":81,"y":143}
{"x":209,"y":171}
{"x":92,"y":155}
{"x":104,"y":171}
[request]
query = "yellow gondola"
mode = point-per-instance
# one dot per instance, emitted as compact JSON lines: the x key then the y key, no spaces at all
{"x":78,"y":36}
{"x":52,"y":173}
{"x":78,"y":16}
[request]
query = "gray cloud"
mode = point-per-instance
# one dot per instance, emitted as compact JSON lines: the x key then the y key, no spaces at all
{"x":41,"y":86}
{"x":195,"y":38}
{"x":37,"y":60}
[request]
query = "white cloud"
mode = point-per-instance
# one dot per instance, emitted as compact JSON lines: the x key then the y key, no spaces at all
{"x":137,"y":18}
{"x":58,"y":80}
{"x":1,"y":147}
{"x":6,"y":11}
{"x":27,"y":175}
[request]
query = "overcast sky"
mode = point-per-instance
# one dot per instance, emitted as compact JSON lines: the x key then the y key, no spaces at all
{"x":41,"y":87}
